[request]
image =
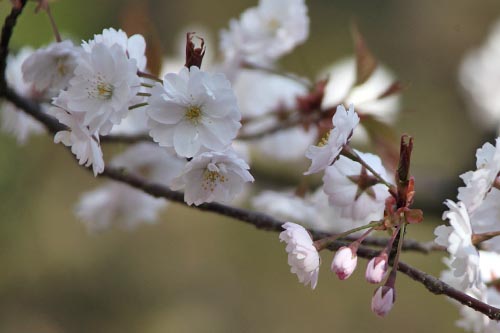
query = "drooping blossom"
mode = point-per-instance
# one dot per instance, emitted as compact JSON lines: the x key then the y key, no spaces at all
{"x":84,"y":143}
{"x":321,"y":156}
{"x":50,"y":68}
{"x":103,"y":87}
{"x":266,"y":32}
{"x":354,"y":190}
{"x":15,"y":121}
{"x":193,"y":111}
{"x":457,"y":238}
{"x":213,"y":176}
{"x":303,"y":257}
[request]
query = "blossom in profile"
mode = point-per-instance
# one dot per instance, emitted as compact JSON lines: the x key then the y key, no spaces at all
{"x":213,"y":176}
{"x":193,"y":111}
{"x":457,"y":238}
{"x":324,"y":154}
{"x":15,"y":121}
{"x":266,"y":32}
{"x":84,"y":143}
{"x":103,"y":87}
{"x":303,"y":257}
{"x":479,"y":182}
{"x":134,"y":46}
{"x":50,"y":68}
{"x":353,"y":190}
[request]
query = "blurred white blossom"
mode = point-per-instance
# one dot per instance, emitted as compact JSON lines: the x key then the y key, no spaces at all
{"x":266,"y":32}
{"x":15,"y":121}
{"x":353,"y":190}
{"x":50,"y":68}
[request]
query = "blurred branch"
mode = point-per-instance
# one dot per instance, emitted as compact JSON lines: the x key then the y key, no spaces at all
{"x":257,"y":219}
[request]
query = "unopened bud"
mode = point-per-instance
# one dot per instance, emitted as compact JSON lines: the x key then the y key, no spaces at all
{"x":344,"y":262}
{"x":194,"y":55}
{"x":382,"y":301}
{"x":376,"y":269}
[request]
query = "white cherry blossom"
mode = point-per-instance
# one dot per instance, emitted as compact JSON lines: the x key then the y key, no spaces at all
{"x":193,"y":111}
{"x":213,"y":176}
{"x":303,"y":257}
{"x":134,"y":46}
{"x":52,"y":67}
{"x":479,"y":182}
{"x":457,"y":238}
{"x":104,"y":86}
{"x":15,"y":121}
{"x":323,"y":155}
{"x":85,"y":144}
{"x":266,"y":32}
{"x":353,"y":189}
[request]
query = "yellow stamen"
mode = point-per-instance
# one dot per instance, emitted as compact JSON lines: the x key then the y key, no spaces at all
{"x":193,"y":113}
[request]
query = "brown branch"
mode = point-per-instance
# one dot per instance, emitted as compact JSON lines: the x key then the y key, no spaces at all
{"x":259,"y":220}
{"x":7,"y":29}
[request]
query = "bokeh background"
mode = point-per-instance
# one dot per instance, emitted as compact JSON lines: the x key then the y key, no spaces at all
{"x":199,"y":272}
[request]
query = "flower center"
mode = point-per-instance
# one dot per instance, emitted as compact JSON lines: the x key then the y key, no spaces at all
{"x":273,"y":25}
{"x":62,"y":69}
{"x":211,"y":179}
{"x":324,"y":139}
{"x":104,"y":90}
{"x":193,"y":114}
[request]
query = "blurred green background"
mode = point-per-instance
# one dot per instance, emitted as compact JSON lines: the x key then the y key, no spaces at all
{"x":198,"y":272}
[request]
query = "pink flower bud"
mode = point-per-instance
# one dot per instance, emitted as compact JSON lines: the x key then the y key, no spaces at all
{"x":382,"y":301}
{"x":376,"y":269}
{"x":344,"y":262}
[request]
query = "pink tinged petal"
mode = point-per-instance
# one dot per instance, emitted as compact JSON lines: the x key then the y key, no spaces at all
{"x":344,"y":263}
{"x":383,"y":300}
{"x":186,"y":139}
{"x":376,"y":269}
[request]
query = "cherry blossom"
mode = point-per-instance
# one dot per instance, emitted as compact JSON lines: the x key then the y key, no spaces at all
{"x":104,"y":85}
{"x":323,"y":155}
{"x":193,"y":111}
{"x":213,"y":176}
{"x":354,"y":190}
{"x":52,"y":67}
{"x":303,"y":257}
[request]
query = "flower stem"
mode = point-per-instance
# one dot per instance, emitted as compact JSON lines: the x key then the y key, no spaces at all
{"x":323,"y":243}
{"x":143,"y":94}
{"x":137,"y":106}
{"x":149,"y":76}
{"x":479,"y":238}
{"x":147,"y":85}
{"x":351,"y":153}
{"x":57,"y":35}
